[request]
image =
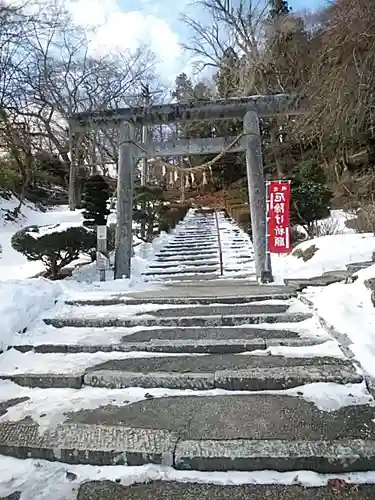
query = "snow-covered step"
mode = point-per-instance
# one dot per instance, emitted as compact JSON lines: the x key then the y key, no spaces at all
{"x":229,"y":371}
{"x":215,"y":345}
{"x":182,"y":269}
{"x":195,"y":237}
{"x":178,"y":278}
{"x":183,"y":258}
{"x":166,"y":297}
{"x":193,"y":241}
{"x":278,"y":337}
{"x":189,"y":253}
{"x":116,"y":370}
{"x":181,"y":248}
{"x":164,"y":264}
{"x":79,"y":320}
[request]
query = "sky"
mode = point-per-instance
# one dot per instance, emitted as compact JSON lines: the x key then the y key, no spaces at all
{"x":124,"y":24}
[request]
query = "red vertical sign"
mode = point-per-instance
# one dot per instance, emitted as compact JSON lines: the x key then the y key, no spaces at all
{"x":278,"y":217}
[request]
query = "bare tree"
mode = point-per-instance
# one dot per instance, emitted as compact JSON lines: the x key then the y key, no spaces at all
{"x":238,"y":27}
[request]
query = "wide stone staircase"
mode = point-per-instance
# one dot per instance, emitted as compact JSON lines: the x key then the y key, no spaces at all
{"x":204,"y":246}
{"x":202,"y":374}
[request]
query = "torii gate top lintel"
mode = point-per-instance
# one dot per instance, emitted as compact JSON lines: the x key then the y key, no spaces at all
{"x":221,"y":109}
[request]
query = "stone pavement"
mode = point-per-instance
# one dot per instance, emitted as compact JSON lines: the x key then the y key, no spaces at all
{"x":107,"y":490}
{"x":215,"y":336}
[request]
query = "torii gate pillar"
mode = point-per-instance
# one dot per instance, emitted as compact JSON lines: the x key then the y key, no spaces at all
{"x":124,"y":236}
{"x":257,"y":195}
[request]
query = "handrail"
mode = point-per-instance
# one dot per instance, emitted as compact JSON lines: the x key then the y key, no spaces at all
{"x":219,"y":243}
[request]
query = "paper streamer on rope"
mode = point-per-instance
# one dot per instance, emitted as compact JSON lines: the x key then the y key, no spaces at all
{"x":189,"y":175}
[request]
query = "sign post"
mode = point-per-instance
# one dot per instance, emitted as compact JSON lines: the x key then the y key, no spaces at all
{"x":278,"y":217}
{"x":102,"y":263}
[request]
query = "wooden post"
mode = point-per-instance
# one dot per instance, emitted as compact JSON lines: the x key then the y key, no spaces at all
{"x":182,"y":180}
{"x":72,"y":171}
{"x":124,"y":234}
{"x":101,"y":251}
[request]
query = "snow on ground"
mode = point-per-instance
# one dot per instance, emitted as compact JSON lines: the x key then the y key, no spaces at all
{"x":334,"y":252}
{"x":349,"y":310}
{"x":330,"y":348}
{"x":47,"y":334}
{"x":21,"y":302}
{"x":42,"y":480}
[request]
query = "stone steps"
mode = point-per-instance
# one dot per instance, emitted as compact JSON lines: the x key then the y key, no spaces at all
{"x":188,"y":345}
{"x":182,"y":263}
{"x":238,"y":382}
{"x":186,"y":277}
{"x":234,"y":299}
{"x":160,"y":270}
{"x":205,"y":433}
{"x":193,"y":258}
{"x":190,"y":252}
{"x":182,"y":249}
{"x":203,"y":321}
{"x":195,"y":237}
{"x":228,"y":371}
{"x":353,"y":267}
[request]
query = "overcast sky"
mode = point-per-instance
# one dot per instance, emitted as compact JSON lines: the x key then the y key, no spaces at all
{"x":128,"y":22}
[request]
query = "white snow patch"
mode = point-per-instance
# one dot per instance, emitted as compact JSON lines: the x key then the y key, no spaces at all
{"x":21,"y":302}
{"x":120,"y":311}
{"x":309,"y":328}
{"x":47,"y":334}
{"x":42,"y":480}
{"x":349,"y":310}
{"x":331,"y":397}
{"x":41,"y":231}
{"x":334,"y":252}
{"x":14,"y":362}
{"x":329,"y":349}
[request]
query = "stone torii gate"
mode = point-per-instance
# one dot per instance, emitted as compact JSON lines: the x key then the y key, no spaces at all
{"x":128,"y":119}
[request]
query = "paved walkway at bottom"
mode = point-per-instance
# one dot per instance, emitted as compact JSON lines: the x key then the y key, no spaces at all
{"x":107,"y":490}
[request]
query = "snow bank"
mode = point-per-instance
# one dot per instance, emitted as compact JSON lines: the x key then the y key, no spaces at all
{"x":333,"y":253}
{"x":21,"y":302}
{"x":42,"y":480}
{"x":349,"y":310}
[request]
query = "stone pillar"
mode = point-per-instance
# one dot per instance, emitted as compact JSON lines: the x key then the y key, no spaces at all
{"x":124,"y":236}
{"x":257,"y":194}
